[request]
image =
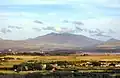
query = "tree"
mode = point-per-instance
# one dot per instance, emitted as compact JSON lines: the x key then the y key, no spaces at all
{"x":95,"y":63}
{"x":37,"y":66}
{"x":49,"y":67}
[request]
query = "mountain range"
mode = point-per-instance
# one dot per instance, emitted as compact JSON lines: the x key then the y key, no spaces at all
{"x":57,"y":41}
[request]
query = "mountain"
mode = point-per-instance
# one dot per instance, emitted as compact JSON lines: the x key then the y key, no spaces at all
{"x":112,"y":40}
{"x":66,"y":39}
{"x":1,"y":39}
{"x":51,"y":41}
{"x":111,"y":43}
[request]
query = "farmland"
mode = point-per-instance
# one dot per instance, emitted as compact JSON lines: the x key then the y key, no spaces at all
{"x":67,"y":58}
{"x":74,"y":64}
{"x":25,"y":58}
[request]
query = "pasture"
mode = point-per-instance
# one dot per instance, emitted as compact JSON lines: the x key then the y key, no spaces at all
{"x":68,"y":58}
{"x":23,"y":58}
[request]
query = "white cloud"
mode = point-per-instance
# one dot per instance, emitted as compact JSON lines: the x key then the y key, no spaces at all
{"x":104,"y":24}
{"x":88,"y":6}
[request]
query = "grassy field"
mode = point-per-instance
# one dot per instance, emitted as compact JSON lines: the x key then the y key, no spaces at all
{"x":22,"y":72}
{"x":67,"y":58}
{"x":10,"y":63}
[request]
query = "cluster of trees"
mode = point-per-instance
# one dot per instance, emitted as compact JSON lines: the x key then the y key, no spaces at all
{"x":60,"y":65}
{"x":47,"y":66}
{"x":37,"y":53}
{"x":32,"y":66}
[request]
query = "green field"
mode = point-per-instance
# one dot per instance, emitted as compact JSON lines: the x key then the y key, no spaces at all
{"x":15,"y":61}
{"x":10,"y":63}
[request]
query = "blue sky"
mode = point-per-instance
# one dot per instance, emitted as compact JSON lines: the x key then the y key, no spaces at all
{"x":97,"y":19}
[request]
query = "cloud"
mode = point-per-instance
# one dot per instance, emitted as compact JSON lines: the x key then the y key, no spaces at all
{"x":101,"y":14}
{"x":11,"y":26}
{"x":67,"y":30}
{"x":60,"y":29}
{"x":5,"y":30}
{"x":92,"y":31}
{"x":111,"y":31}
{"x":49,"y":28}
{"x":73,"y":22}
{"x":78,"y":29}
{"x":65,"y":21}
{"x":14,"y":27}
{"x":98,"y":30}
{"x":101,"y":35}
{"x":37,"y":29}
{"x":39,"y":22}
{"x":18,"y":27}
{"x":77,"y":23}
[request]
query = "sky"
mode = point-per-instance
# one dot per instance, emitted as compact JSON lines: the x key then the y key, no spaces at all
{"x":23,"y":19}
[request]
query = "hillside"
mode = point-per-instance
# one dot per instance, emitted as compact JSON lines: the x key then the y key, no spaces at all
{"x":51,"y":40}
{"x":112,"y":40}
{"x":66,"y":39}
{"x":111,"y":43}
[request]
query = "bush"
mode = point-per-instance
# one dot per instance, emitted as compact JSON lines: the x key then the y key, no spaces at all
{"x":19,"y":58}
{"x":37,"y":66}
{"x":49,"y":67}
{"x":95,"y":63}
{"x":15,"y":66}
{"x":30,"y":66}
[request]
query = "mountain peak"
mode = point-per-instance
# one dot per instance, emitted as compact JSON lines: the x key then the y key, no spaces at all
{"x":112,"y":40}
{"x":61,"y":34}
{"x":52,"y":33}
{"x":66,"y":39}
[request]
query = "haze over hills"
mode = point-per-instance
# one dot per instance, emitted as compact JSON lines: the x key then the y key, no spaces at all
{"x":111,"y":43}
{"x":51,"y":40}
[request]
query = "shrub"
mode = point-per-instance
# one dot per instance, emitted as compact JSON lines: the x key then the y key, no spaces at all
{"x":19,"y":58}
{"x":95,"y":63}
{"x":49,"y":67}
{"x":37,"y":66}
